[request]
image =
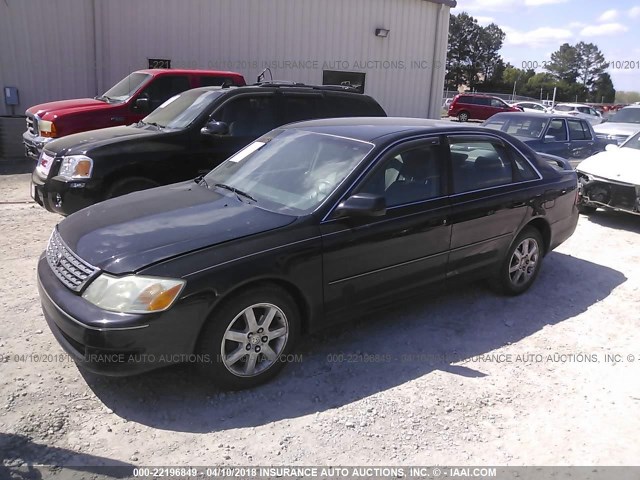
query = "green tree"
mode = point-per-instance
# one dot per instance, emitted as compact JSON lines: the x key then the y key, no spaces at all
{"x":472,"y":57}
{"x":565,"y":63}
{"x":603,"y":90}
{"x":591,"y":64}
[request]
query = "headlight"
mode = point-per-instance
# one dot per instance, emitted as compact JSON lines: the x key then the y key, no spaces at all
{"x":75,"y":167}
{"x":47,"y":129}
{"x":133,"y":293}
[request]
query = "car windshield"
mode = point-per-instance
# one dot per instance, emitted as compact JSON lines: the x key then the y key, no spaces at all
{"x":633,"y":142}
{"x":564,"y":108}
{"x":289,"y":171}
{"x":520,"y":125}
{"x":626,"y":115}
{"x":126,"y":87}
{"x":181,"y":110}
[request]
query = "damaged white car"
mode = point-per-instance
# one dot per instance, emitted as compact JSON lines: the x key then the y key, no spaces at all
{"x":611,"y":179}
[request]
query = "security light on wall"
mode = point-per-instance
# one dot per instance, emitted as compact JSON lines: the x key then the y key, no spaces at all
{"x":382,"y":32}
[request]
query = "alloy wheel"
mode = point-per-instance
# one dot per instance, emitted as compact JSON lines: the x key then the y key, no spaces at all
{"x":524,"y":262}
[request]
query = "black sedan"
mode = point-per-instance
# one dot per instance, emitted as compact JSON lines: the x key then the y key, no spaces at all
{"x":311,"y":224}
{"x":562,"y":136}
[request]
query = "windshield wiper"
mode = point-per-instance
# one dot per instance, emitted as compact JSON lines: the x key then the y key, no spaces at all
{"x":103,"y":98}
{"x":236,"y":191}
{"x":200,"y":180}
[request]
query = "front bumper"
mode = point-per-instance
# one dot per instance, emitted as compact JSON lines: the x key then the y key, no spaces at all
{"x":604,"y":193}
{"x":64,"y":196}
{"x":117,"y":344}
{"x":33,"y":145}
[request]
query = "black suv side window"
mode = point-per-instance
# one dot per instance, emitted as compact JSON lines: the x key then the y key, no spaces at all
{"x":249,"y":116}
{"x":300,"y":107}
{"x":477,"y":164}
{"x":350,"y":105}
{"x":163,"y":88}
{"x":412,"y":175}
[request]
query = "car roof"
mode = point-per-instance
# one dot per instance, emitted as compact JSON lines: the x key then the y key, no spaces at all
{"x":369,"y":129}
{"x":573,"y":105}
{"x":528,"y":115}
{"x":167,"y":71}
{"x":294,"y":88}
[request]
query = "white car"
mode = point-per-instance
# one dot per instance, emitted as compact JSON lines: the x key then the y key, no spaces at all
{"x":621,"y":125}
{"x":611,"y":179}
{"x":579,"y":110}
{"x":531,"y":107}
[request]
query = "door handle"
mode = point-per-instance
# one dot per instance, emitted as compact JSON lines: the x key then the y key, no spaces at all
{"x":518,"y":204}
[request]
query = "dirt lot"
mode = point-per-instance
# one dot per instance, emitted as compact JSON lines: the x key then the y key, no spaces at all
{"x":474,"y":378}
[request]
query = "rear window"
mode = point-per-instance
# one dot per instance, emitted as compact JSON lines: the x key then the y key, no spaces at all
{"x":564,"y":108}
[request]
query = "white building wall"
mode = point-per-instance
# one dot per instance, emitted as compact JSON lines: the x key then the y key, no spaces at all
{"x":238,"y":35}
{"x":46,"y":50}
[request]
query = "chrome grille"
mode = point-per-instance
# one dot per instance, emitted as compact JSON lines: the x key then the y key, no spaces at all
{"x":32,"y":125}
{"x":68,"y":267}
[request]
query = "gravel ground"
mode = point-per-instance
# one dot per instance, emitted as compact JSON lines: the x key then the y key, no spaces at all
{"x":463,"y":377}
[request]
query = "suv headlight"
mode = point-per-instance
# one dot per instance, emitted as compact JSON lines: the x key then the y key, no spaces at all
{"x":76,"y":167}
{"x":133,"y":293}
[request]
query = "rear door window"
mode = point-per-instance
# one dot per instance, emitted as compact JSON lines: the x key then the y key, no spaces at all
{"x":350,"y":105}
{"x":479,"y":164}
{"x":300,"y":107}
{"x":576,"y":130}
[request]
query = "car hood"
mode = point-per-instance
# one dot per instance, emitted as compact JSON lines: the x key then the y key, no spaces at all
{"x":85,"y":141}
{"x":51,"y":110}
{"x":614,"y":128}
{"x":620,"y":165}
{"x":128,"y":233}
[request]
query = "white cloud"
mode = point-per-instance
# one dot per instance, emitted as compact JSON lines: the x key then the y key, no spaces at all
{"x":634,"y":12}
{"x":536,"y":38}
{"x":504,"y":5}
{"x":485,"y":20}
{"x":537,"y":3}
{"x":577,"y":25}
{"x":604,"y":29}
{"x":608,"y":16}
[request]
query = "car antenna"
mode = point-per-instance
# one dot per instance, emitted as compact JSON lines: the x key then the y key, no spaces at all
{"x":261,"y":76}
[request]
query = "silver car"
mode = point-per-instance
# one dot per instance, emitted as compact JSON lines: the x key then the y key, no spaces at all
{"x":579,"y":110}
{"x":622,"y":125}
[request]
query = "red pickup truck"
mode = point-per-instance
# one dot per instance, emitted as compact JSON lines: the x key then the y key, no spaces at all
{"x":126,"y":102}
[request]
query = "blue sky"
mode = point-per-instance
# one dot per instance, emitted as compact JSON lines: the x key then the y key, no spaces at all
{"x":536,"y":28}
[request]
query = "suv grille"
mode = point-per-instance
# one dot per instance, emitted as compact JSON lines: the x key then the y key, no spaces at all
{"x":32,"y":125}
{"x":68,"y":267}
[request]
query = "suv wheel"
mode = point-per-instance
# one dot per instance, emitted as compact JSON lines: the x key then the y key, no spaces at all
{"x":129,"y":185}
{"x":521,"y":264}
{"x":463,"y":116}
{"x":246,"y":341}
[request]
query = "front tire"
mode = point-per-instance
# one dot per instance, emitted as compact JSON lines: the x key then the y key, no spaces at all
{"x":129,"y":185}
{"x":521,"y":264}
{"x":463,"y":117}
{"x":249,"y":337}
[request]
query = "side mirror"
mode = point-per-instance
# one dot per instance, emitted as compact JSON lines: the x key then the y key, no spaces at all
{"x":610,"y":147}
{"x":215,"y":128}
{"x":363,"y":205}
{"x":143,"y":104}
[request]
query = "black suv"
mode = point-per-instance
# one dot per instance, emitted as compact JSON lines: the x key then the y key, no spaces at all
{"x":183,"y":138}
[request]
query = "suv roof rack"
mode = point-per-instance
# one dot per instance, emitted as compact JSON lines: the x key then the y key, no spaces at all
{"x":285,"y":84}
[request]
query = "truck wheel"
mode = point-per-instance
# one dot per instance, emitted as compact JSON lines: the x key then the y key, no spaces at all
{"x":247,"y":339}
{"x":129,"y":185}
{"x":463,"y":116}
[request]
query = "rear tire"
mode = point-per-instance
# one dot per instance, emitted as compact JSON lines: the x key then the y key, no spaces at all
{"x":522,"y":263}
{"x":248,"y":338}
{"x":463,"y":116}
{"x":129,"y":185}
